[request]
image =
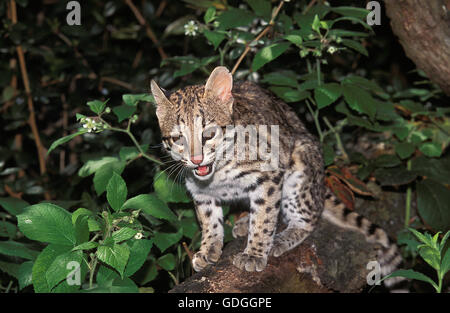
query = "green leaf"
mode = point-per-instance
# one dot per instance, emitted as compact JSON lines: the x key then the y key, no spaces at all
{"x":124,"y":111}
{"x":394,"y":176}
{"x":115,"y":255}
{"x":412,"y":275}
{"x":24,"y":274}
{"x":65,"y":139}
{"x":268,"y":54}
{"x":152,"y":205}
{"x":129,"y":153}
{"x":8,"y":229}
{"x":11,"y":269}
{"x":387,"y":160}
{"x":261,"y":8}
{"x":431,"y":256}
{"x":209,"y":15}
{"x":14,"y":206}
{"x":316,"y":24}
{"x":431,"y":149}
{"x":359,"y":100}
{"x":17,"y":249}
{"x":58,"y":270}
{"x":103,"y":175}
{"x":169,"y":191}
{"x":86,"y":246}
{"x":437,"y":169}
{"x":359,"y":13}
{"x":92,"y":166}
{"x":214,"y":37}
{"x":346,"y":33}
{"x":234,"y":18}
{"x":167,"y":262}
{"x":433,"y":202}
{"x":404,"y":149}
{"x":116,"y":192}
{"x":355,"y":45}
{"x":445,"y":263}
{"x":93,"y":224}
{"x":327,"y":94}
{"x":190,"y":227}
{"x":97,"y":106}
{"x":289,"y":94}
{"x":109,"y":282}
{"x":139,"y":250}
{"x":166,"y":240}
{"x":42,"y":264}
{"x":47,"y":222}
{"x":294,"y":37}
{"x":81,"y":229}
{"x":133,"y":99}
{"x":123,"y":234}
{"x":281,"y":78}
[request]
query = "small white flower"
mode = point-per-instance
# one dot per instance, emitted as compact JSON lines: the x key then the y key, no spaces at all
{"x":190,"y":29}
{"x":138,"y":236}
{"x":331,"y":50}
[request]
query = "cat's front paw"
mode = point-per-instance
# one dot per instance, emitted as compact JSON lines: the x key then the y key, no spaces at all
{"x":250,"y":263}
{"x":207,"y":256}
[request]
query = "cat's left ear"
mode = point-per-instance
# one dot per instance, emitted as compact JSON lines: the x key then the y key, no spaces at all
{"x":219,"y":85}
{"x":163,"y":105}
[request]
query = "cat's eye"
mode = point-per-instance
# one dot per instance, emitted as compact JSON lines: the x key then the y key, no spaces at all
{"x":209,"y":133}
{"x":176,"y":138}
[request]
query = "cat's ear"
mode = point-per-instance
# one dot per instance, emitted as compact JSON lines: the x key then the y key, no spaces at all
{"x":219,"y":85}
{"x":163,"y":105}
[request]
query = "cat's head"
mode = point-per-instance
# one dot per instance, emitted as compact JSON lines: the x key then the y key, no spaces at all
{"x":193,"y":121}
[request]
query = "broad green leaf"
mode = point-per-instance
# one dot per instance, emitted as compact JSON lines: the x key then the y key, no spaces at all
{"x":289,"y":94}
{"x":412,"y":275}
{"x":124,"y":111}
{"x":431,"y":149}
{"x":166,"y":240}
{"x":316,"y":24}
{"x":261,"y":8}
{"x":359,"y":100}
{"x":431,"y":256}
{"x":327,"y":94}
{"x":214,"y":37}
{"x":234,"y":18}
{"x":81,"y":229}
{"x":25,"y":274}
{"x":61,"y":267}
{"x":116,"y":192}
{"x":86,"y":246}
{"x":282,"y":78}
{"x":404,"y":149}
{"x":133,"y":99}
{"x":437,"y":169}
{"x":8,"y":229}
{"x":92,"y":166}
{"x":152,"y":205}
{"x":444,"y":240}
{"x":394,"y":176}
{"x":104,"y":173}
{"x":294,"y":37}
{"x":445,"y":264}
{"x":268,"y":54}
{"x":167,"y":261}
{"x":110,"y":282}
{"x":359,"y":13}
{"x":11,"y":269}
{"x":97,"y":106}
{"x":129,"y":153}
{"x":93,"y":224}
{"x":139,"y":250}
{"x":346,"y":33}
{"x":65,"y":139}
{"x":387,"y":160}
{"x":355,"y":45}
{"x":353,"y":20}
{"x":115,"y":255}
{"x":14,"y":206}
{"x":123,"y":234}
{"x":47,"y":222}
{"x":42,"y":264}
{"x":433,"y":202}
{"x":209,"y":15}
{"x":190,"y":227}
{"x":17,"y":249}
{"x":169,"y":191}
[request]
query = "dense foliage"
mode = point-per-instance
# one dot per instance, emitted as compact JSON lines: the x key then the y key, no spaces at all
{"x":104,"y":194}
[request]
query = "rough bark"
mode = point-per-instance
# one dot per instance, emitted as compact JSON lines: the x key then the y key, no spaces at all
{"x":423,"y":28}
{"x":330,"y":260}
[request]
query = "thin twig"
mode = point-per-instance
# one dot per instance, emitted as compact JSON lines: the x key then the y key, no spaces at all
{"x":260,"y":35}
{"x":188,"y":252}
{"x":26,"y":83}
{"x":148,"y":29}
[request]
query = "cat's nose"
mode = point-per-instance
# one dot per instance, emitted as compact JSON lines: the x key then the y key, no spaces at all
{"x":197,"y":159}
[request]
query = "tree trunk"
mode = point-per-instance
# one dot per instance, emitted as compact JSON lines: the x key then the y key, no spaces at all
{"x":423,"y":28}
{"x":332,"y":259}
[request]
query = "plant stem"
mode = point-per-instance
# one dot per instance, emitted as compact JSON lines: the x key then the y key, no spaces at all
{"x":408,"y":198}
{"x":315,"y":115}
{"x":338,"y":139}
{"x":92,"y":271}
{"x":319,"y":80}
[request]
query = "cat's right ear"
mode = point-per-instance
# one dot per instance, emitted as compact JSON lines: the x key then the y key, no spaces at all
{"x":163,"y":105}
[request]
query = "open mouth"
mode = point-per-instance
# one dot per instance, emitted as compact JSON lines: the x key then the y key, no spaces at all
{"x":203,"y":170}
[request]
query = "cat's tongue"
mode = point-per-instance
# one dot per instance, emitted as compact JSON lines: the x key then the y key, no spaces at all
{"x":202,"y":170}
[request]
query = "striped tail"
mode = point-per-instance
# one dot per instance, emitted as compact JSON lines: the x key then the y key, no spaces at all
{"x":388,"y":256}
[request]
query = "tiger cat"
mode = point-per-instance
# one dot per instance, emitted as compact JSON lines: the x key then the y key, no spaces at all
{"x":196,"y":124}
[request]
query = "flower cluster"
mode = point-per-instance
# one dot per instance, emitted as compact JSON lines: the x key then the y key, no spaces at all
{"x":92,"y":125}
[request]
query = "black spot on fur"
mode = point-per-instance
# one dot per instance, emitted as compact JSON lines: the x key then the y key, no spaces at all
{"x":270,"y":191}
{"x":260,"y":201}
